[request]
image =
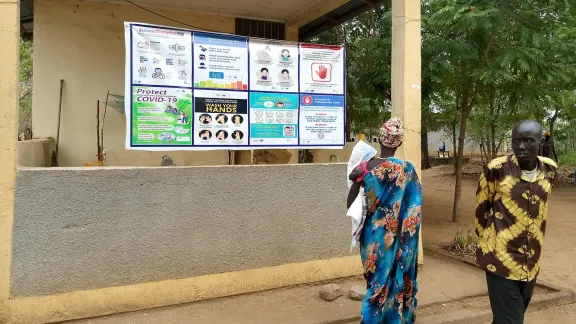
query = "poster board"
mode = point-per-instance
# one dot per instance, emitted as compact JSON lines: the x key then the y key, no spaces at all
{"x":195,"y":90}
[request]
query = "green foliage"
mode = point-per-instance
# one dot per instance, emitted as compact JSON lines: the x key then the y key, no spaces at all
{"x":26,"y":62}
{"x":567,"y":159}
{"x":486,"y":65}
{"x":464,"y":243}
{"x":368,"y":47}
{"x":492,"y":62}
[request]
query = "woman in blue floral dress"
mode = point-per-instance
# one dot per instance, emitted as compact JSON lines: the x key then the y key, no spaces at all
{"x":389,"y":238}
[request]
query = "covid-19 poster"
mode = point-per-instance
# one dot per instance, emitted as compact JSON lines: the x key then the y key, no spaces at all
{"x":196,"y":90}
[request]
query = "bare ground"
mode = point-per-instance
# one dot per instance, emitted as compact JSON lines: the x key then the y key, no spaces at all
{"x":559,"y":256}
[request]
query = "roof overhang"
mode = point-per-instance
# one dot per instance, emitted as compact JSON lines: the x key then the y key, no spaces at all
{"x":308,"y":17}
{"x":335,"y":17}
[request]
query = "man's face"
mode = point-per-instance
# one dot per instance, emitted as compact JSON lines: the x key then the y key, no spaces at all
{"x":526,"y":142}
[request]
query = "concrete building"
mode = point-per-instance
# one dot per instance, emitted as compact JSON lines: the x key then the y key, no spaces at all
{"x":471,"y":148}
{"x":82,"y":242}
{"x":435,"y":139}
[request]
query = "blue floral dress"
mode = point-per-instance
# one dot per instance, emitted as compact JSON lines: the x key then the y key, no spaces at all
{"x":389,"y":242}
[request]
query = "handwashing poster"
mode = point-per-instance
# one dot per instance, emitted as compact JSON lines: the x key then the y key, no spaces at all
{"x":161,"y":116}
{"x":274,"y":66}
{"x":220,"y":118}
{"x":274,"y":119}
{"x":322,"y":119}
{"x":322,"y":69}
{"x":195,"y":90}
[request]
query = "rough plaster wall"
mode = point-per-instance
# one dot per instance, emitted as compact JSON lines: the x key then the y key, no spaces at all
{"x":82,"y":42}
{"x":77,"y":229}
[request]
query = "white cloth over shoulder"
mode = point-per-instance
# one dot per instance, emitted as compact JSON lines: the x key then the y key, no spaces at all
{"x":357,"y":211}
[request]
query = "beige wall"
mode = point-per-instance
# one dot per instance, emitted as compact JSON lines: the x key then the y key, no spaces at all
{"x":82,"y":42}
{"x":9,"y":51}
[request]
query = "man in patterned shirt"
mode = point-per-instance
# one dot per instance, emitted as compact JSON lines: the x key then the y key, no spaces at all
{"x":511,"y":211}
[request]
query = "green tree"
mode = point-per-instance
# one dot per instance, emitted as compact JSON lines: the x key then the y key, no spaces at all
{"x":25,"y":113}
{"x":368,"y":52}
{"x":499,"y":59}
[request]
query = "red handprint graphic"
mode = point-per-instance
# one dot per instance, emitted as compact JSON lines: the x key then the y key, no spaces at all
{"x":322,"y":72}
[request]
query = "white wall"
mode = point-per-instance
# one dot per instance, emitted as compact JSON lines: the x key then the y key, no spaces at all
{"x":436,"y":138}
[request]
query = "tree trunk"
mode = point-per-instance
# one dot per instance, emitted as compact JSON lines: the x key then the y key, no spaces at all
{"x":492,"y":135}
{"x":424,"y":145}
{"x":499,"y":145}
{"x":493,"y":140}
{"x":466,"y":106}
{"x":348,"y":124}
{"x":552,"y":123}
{"x":488,"y":147}
{"x":483,"y":149}
{"x":454,"y":148}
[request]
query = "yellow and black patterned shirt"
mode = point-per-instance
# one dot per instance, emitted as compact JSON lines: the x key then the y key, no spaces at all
{"x":511,"y":213}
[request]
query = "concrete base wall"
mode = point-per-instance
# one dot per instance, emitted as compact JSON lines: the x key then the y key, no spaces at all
{"x":103,"y":227}
{"x":35,"y":153}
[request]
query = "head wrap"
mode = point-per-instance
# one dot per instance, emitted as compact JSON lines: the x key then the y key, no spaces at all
{"x":392,"y":132}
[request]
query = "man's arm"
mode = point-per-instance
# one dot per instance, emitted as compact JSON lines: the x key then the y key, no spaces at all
{"x":484,"y":198}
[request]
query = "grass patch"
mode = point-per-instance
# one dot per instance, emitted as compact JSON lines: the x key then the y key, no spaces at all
{"x":464,"y":243}
{"x":567,"y":159}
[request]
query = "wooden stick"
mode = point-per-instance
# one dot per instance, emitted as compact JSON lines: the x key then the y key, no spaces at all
{"x":59,"y":121}
{"x":98,"y":128}
{"x":103,"y":120}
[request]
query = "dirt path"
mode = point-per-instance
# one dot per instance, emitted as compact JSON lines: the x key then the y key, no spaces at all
{"x":559,"y":259}
{"x":301,"y":304}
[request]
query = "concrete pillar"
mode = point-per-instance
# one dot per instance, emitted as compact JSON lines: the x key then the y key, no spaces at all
{"x":406,"y":76}
{"x":10,"y":49}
